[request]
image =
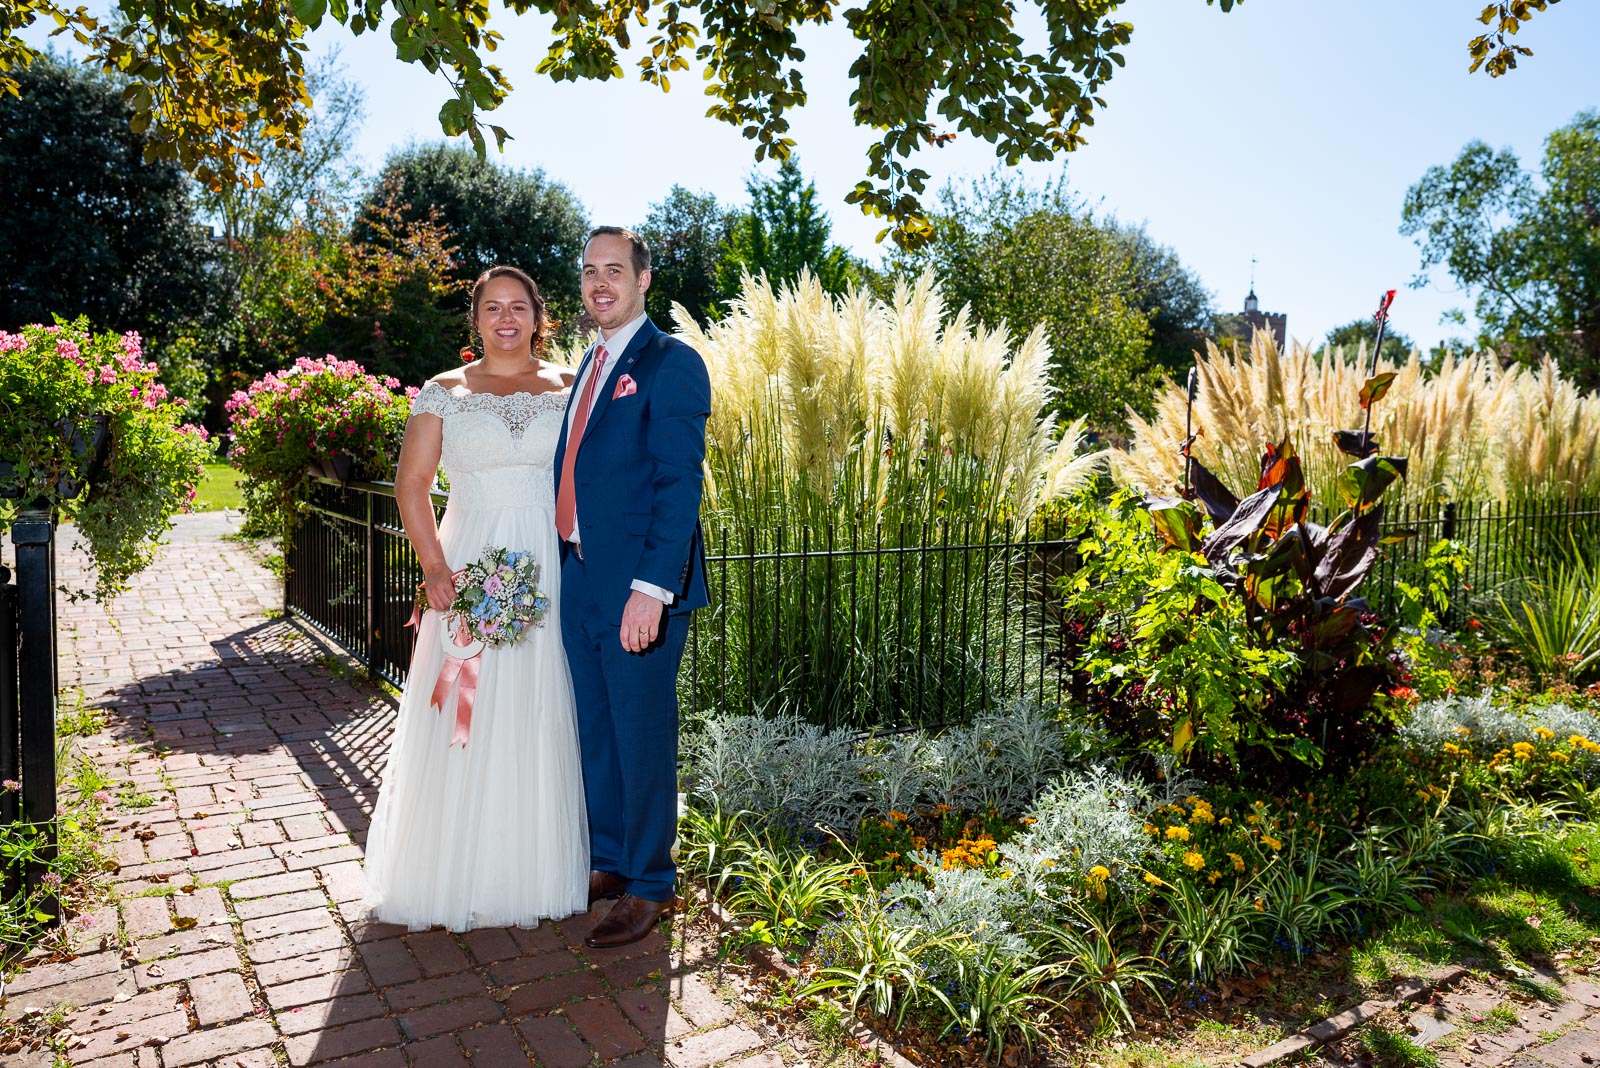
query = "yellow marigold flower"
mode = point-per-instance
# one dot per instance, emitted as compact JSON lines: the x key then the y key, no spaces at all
{"x":918,"y":841}
{"x":1226,"y":821}
{"x":1559,"y":756}
{"x":1463,"y":730}
{"x":898,"y":816}
{"x":1099,"y":873}
{"x":1028,"y":821}
{"x":1178,"y":834}
{"x":1523,"y":750}
{"x":1259,"y":906}
{"x":1047,"y":862}
{"x":1544,"y":733}
{"x":1252,"y":818}
{"x":1214,"y":876}
{"x":1423,"y":794}
{"x":1193,"y":860}
{"x":1202,"y":815}
{"x":1151,"y":828}
{"x":1238,"y":861}
{"x":1452,"y":749}
{"x":1152,"y":880}
{"x":891,"y":856}
{"x":1271,"y":842}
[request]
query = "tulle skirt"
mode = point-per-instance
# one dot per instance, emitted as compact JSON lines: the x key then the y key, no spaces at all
{"x":493,"y":834}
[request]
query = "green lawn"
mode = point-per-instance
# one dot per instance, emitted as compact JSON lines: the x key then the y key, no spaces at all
{"x":217,"y":489}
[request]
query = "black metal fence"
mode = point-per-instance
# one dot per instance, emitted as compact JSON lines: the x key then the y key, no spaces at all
{"x":886,"y":629}
{"x":28,"y":686}
{"x":875,"y":629}
{"x":1501,"y":541}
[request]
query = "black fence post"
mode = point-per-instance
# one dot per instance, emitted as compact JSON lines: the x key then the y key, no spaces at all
{"x":10,"y":757}
{"x":1448,"y":530}
{"x":34,"y":536}
{"x":371,"y":587}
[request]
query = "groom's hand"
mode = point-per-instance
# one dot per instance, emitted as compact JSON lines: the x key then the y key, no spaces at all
{"x":641,"y":621}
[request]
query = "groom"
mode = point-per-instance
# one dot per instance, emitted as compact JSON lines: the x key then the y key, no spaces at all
{"x":628,"y":474}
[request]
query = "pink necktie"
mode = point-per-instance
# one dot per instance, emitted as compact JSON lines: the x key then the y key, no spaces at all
{"x":566,"y":495}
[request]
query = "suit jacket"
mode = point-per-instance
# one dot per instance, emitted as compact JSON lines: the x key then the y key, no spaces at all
{"x":639,"y":471}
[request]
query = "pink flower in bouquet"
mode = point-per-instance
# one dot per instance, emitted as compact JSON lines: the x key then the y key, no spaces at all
{"x":493,"y":585}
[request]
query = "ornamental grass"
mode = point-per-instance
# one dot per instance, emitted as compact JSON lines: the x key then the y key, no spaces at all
{"x":854,"y":411}
{"x":1473,"y":430}
{"x":872,"y":467}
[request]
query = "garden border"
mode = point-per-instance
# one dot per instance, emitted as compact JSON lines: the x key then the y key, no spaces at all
{"x":771,"y":959}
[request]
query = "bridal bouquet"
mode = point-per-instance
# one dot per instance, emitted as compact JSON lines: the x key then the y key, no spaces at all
{"x":497,"y":597}
{"x":497,"y":602}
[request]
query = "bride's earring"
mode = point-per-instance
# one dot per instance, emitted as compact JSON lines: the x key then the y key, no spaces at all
{"x":467,"y":355}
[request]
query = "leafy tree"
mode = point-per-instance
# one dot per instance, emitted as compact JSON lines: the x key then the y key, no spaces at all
{"x":305,"y":194}
{"x":782,"y":233}
{"x":87,"y":225}
{"x":1397,"y":345}
{"x":495,"y":215}
{"x":392,"y":303}
{"x":1528,"y":245}
{"x":320,"y":172}
{"x":385,"y":302}
{"x":1033,"y":257}
{"x":1177,"y":302}
{"x":687,"y":234}
{"x":925,"y":73}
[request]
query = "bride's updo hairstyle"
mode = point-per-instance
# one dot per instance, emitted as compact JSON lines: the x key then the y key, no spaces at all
{"x":544,"y":327}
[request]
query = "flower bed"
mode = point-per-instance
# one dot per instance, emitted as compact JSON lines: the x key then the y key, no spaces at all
{"x":91,"y":434}
{"x":1011,"y":886}
{"x":289,"y":424}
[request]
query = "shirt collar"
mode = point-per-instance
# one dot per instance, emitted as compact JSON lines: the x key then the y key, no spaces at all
{"x":618,"y":342}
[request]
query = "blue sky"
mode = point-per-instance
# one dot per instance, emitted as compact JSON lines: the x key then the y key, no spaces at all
{"x":1286,"y":131}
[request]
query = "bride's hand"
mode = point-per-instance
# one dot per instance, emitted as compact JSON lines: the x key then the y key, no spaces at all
{"x":439,"y":582}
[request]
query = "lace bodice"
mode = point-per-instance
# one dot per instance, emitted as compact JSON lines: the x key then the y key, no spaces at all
{"x":498,"y":451}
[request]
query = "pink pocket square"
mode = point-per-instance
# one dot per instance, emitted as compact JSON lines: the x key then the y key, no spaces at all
{"x":626,"y":387}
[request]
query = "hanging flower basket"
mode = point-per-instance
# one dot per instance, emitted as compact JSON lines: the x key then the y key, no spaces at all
{"x":89,"y":433}
{"x":324,"y":418}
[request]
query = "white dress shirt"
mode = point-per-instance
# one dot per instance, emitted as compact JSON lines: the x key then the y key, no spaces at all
{"x":615,"y":345}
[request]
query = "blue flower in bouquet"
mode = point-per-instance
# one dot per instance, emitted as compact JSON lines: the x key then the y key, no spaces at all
{"x":499,"y":596}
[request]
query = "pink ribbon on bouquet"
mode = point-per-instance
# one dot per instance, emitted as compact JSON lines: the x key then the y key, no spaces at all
{"x":455,"y":669}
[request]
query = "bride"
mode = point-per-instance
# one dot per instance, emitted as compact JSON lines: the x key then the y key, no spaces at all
{"x":491,"y":833}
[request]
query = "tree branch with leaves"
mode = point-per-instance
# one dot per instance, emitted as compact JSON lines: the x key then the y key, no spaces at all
{"x":203,"y":71}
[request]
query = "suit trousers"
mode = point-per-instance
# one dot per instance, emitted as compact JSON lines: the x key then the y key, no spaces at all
{"x":627,"y":706}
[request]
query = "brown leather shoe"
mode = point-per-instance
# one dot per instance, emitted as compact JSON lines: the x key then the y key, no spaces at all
{"x":605,"y":885}
{"x":629,"y":920}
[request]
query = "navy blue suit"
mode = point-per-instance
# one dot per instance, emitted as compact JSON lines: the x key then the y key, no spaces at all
{"x":637,"y":483}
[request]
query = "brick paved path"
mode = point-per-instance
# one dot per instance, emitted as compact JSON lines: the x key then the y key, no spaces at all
{"x":241,"y":942}
{"x":1485,"y":1022}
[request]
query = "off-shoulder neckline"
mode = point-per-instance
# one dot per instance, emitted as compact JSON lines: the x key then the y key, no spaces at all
{"x":451,"y":390}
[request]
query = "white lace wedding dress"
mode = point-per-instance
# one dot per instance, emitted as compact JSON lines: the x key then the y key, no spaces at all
{"x":494,"y":833}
